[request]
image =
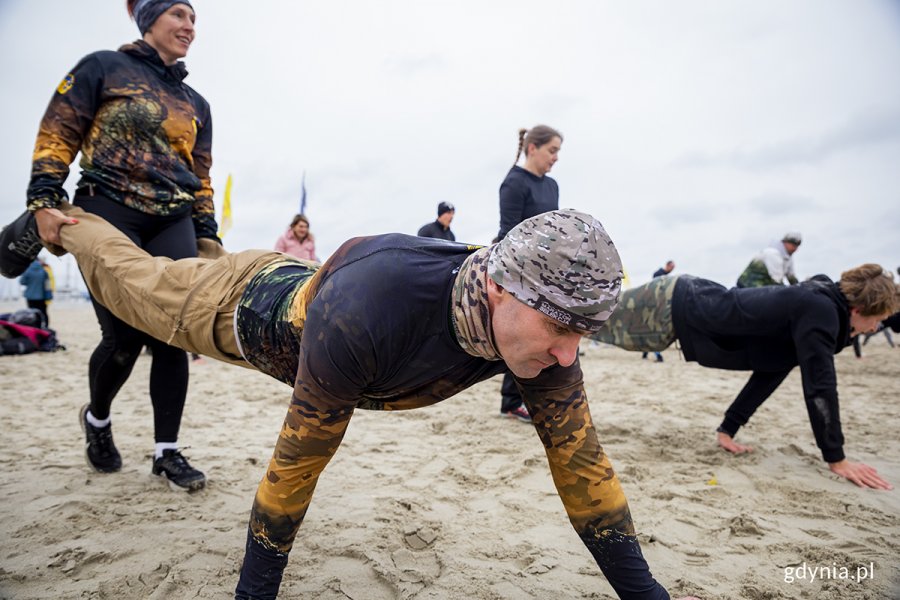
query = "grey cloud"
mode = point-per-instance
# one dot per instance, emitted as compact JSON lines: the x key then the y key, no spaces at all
{"x":669,"y":214}
{"x":779,"y":203}
{"x":872,"y":127}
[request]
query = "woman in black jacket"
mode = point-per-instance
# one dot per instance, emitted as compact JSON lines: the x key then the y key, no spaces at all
{"x":527,"y":191}
{"x":769,"y":331}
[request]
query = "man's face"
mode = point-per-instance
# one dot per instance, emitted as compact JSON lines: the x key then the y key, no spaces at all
{"x":529,"y":341}
{"x":790,"y":247}
{"x":446,"y":218}
{"x":860,"y":324}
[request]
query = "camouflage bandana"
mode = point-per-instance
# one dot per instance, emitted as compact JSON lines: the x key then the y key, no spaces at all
{"x":563,"y":264}
{"x":470,"y":309}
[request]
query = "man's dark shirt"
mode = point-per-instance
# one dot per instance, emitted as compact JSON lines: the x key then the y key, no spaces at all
{"x":378,"y":334}
{"x":437,"y":231}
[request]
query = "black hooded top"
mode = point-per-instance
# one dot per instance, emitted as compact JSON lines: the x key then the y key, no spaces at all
{"x":770,"y":330}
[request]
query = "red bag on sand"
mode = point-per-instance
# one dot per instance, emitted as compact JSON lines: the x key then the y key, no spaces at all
{"x":37,"y":339}
{"x":32,"y":333}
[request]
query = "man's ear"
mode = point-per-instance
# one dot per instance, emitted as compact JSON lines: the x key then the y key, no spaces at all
{"x":492,"y":287}
{"x":495,"y":292}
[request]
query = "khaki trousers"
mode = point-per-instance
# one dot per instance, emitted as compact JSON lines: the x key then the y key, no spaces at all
{"x":188,"y":303}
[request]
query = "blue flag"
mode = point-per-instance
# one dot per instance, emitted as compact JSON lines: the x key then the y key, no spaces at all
{"x":303,"y":194}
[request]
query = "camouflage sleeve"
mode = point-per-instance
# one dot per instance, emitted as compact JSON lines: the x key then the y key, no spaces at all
{"x":329,"y":383}
{"x":203,"y":210}
{"x":589,"y":488}
{"x":65,"y":123}
{"x":310,"y":436}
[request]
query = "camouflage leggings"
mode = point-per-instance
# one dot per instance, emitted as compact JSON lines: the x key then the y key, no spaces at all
{"x":643,"y":319}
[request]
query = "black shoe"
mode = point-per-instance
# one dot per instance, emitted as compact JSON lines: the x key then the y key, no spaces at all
{"x":19,"y":245}
{"x":99,"y":449}
{"x":182,"y":476}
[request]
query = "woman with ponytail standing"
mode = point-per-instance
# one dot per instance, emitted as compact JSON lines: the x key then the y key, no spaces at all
{"x":526,"y":192}
{"x":145,"y":139}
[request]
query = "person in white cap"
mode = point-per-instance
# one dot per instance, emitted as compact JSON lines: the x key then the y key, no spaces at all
{"x":773,"y":264}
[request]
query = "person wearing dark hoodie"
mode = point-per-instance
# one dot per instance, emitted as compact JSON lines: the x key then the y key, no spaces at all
{"x":527,"y":191}
{"x":769,"y":331}
{"x":145,"y":139}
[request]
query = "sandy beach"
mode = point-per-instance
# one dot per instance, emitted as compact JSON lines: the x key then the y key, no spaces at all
{"x":450,"y":501}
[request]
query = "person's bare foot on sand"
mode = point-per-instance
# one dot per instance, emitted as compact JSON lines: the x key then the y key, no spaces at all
{"x":727,"y":442}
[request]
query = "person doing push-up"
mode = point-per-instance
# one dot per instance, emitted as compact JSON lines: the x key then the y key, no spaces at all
{"x":389,"y":322}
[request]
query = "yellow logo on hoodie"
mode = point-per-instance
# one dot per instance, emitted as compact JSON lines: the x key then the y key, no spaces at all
{"x":66,"y":84}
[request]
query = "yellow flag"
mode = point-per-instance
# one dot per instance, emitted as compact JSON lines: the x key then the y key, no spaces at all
{"x":225,"y":225}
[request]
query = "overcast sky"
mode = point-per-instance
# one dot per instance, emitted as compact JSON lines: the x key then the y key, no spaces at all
{"x":696,"y":131}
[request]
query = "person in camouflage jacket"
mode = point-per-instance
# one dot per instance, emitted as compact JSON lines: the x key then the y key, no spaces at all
{"x":145,"y":139}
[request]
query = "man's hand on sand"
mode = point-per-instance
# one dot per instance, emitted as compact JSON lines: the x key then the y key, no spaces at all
{"x":860,"y":474}
{"x":49,"y":221}
{"x":727,"y":442}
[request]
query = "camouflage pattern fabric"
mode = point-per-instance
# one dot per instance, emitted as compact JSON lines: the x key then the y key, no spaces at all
{"x":563,"y":264}
{"x":581,"y":470}
{"x":145,"y":137}
{"x":756,"y":275}
{"x":339,"y":370}
{"x":643,"y":320}
{"x":471,"y":308}
{"x":268,"y":338}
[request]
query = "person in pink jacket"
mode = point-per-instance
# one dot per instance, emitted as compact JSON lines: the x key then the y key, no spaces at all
{"x":297,"y":240}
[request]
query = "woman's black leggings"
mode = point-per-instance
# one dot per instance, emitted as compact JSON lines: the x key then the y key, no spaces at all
{"x":121,"y":345}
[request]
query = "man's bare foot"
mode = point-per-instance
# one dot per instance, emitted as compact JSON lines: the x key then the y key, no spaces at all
{"x":727,"y":442}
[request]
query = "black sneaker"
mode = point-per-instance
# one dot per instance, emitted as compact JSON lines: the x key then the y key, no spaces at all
{"x":182,"y":476}
{"x":99,"y":449}
{"x":19,"y":245}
